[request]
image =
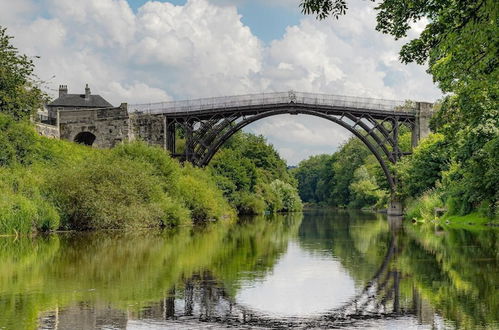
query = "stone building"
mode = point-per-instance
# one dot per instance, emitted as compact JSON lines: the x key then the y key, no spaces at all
{"x":85,"y":118}
{"x":67,"y":101}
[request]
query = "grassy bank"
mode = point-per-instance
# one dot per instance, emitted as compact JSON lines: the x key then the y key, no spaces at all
{"x":48,"y":184}
{"x":422,"y":209}
{"x":51,"y":184}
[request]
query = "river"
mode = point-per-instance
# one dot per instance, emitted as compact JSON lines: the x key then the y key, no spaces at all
{"x":319,"y":269}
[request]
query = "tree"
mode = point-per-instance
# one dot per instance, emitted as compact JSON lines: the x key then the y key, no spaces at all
{"x":423,"y":169}
{"x":460,"y":43}
{"x":20,"y":96}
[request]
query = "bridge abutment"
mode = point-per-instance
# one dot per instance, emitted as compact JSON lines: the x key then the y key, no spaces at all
{"x":395,"y":208}
{"x":421,"y":128}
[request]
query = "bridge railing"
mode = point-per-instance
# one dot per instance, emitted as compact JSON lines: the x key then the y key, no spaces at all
{"x":268,"y":99}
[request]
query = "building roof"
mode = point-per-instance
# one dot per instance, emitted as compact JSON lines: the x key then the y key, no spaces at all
{"x":78,"y":100}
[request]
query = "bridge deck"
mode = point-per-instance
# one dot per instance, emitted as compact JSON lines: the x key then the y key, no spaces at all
{"x":251,"y":102}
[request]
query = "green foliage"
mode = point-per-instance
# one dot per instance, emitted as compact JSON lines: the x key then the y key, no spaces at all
{"x":350,"y":157}
{"x":350,"y":177}
{"x":287,"y":197}
{"x":461,"y":45}
{"x":200,"y":194}
{"x":19,"y":95}
{"x":365,"y":190}
{"x":314,"y":176}
{"x":324,"y":8}
{"x":17,"y":141}
{"x":47,"y":184}
{"x":423,"y":207}
{"x":23,"y":208}
{"x":108,"y":192}
{"x":246,"y":169}
{"x":423,"y":169}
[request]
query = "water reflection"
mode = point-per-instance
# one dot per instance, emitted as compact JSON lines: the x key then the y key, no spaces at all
{"x":300,"y":285}
{"x":326,"y":269}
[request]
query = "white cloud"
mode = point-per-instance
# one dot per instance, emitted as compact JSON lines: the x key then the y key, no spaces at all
{"x":345,"y":56}
{"x":299,"y":137}
{"x":204,"y":49}
{"x":302,"y":130}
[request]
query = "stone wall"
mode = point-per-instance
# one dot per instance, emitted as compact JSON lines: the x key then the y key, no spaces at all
{"x":148,"y":128}
{"x":422,"y":126}
{"x":50,"y":131}
{"x":110,"y":125}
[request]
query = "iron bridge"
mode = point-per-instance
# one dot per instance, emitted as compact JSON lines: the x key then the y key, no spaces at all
{"x":206,"y":124}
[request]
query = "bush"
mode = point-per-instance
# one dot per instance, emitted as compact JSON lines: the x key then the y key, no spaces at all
{"x":288,"y":199}
{"x":244,"y":170}
{"x":423,"y":169}
{"x":200,"y":194}
{"x":249,"y":204}
{"x":17,"y":140}
{"x":163,"y":166}
{"x":23,"y":208}
{"x":107,"y":191}
{"x":423,"y":207}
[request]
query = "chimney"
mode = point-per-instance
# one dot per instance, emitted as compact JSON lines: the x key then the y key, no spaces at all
{"x":87,"y":92}
{"x":63,"y":90}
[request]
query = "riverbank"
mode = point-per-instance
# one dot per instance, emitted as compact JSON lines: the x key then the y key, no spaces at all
{"x":48,"y":184}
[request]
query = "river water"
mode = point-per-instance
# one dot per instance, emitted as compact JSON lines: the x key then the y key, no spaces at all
{"x":319,"y":269}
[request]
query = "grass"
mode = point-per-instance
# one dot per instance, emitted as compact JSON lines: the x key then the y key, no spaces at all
{"x":469,"y":221}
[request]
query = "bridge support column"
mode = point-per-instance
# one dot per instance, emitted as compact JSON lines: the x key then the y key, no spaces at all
{"x":170,"y":136}
{"x":395,"y":207}
{"x":422,"y":126}
{"x":189,"y":143}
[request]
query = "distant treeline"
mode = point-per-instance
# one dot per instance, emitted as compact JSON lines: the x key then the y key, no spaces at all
{"x":351,"y":177}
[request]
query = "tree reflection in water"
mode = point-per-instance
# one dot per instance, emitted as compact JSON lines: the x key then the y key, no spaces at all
{"x":192,"y":277}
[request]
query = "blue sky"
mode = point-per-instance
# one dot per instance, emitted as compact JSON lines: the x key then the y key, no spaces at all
{"x":140,"y":51}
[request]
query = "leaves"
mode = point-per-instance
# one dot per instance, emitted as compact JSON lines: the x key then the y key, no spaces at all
{"x":20,"y":96}
{"x":324,"y":8}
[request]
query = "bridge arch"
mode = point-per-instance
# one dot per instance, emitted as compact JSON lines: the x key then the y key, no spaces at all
{"x":226,"y":134}
{"x":85,"y":138}
{"x":205,"y":136}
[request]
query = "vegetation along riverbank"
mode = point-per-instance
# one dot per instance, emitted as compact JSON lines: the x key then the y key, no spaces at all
{"x":48,"y":184}
{"x":456,"y":169}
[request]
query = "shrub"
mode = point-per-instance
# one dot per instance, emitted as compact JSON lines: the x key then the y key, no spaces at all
{"x":23,"y":208}
{"x":201,"y":195}
{"x":249,"y":204}
{"x":17,"y":140}
{"x":21,"y":215}
{"x":424,"y":206}
{"x":162,"y":164}
{"x":423,"y":169}
{"x":107,"y":191}
{"x":288,"y":196}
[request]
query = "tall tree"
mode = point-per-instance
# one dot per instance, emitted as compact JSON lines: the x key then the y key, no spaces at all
{"x":19,"y":94}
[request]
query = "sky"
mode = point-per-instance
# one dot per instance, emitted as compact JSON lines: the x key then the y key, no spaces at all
{"x":141,"y":51}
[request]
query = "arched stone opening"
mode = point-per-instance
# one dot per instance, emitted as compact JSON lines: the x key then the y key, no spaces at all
{"x":85,"y":138}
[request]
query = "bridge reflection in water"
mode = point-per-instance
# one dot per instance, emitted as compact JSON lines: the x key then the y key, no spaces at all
{"x":203,"y":288}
